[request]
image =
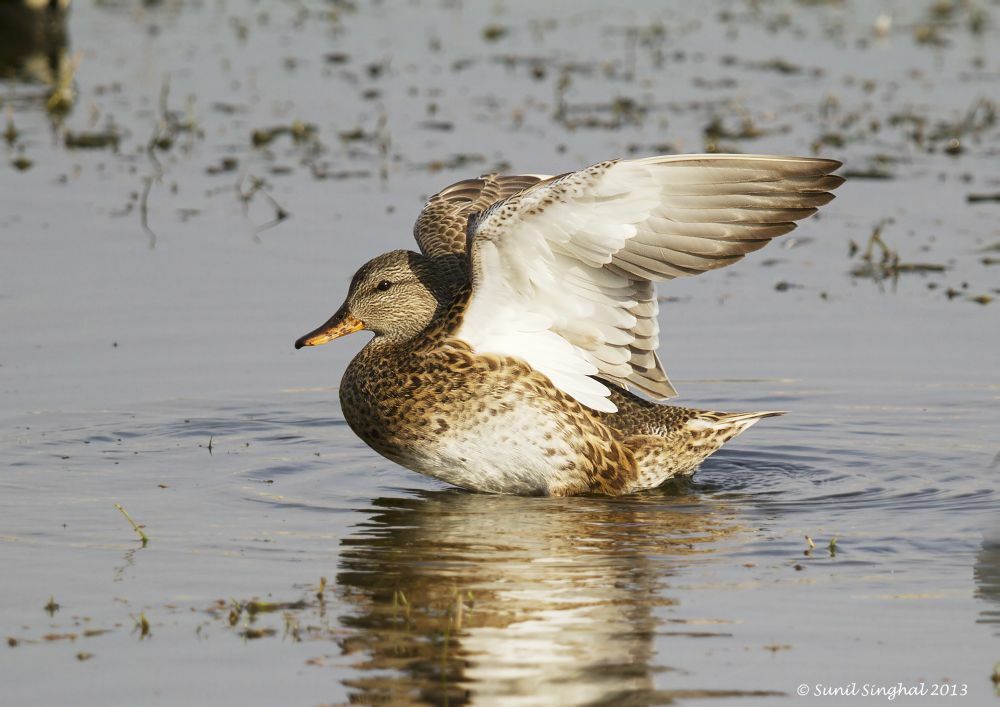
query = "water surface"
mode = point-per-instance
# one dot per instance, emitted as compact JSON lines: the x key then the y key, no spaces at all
{"x":150,"y":291}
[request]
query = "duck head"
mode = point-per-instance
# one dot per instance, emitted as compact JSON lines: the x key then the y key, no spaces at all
{"x":391,"y":295}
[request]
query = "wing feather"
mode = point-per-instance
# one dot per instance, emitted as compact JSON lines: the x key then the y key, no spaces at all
{"x":563,"y":270}
{"x":441,"y":227}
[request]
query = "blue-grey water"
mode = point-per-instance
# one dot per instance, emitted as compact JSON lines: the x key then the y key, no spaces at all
{"x":151,"y":289}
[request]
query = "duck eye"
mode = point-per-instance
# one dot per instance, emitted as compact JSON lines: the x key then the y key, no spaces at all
{"x":384,"y":285}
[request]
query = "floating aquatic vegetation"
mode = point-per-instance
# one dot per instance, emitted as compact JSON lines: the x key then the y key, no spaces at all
{"x":979,"y":118}
{"x":135,"y":526}
{"x":618,"y":113}
{"x":10,"y":131}
{"x":887,"y":266}
{"x":97,"y":140}
{"x":784,"y":286}
{"x":777,"y":65}
{"x":260,"y":186}
{"x":493,"y":33}
{"x":226,"y":164}
{"x":299,"y":132}
{"x":877,"y":173}
{"x":142,"y":626}
{"x":52,"y":637}
{"x":716,"y":130}
{"x":949,"y":16}
{"x":62,"y":97}
{"x":454,"y":162}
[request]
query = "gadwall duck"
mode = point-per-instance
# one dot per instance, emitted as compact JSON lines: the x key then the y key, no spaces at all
{"x":504,"y":351}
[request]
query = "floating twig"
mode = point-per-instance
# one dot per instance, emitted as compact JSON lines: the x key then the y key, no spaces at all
{"x":259,"y":186}
{"x":135,"y":526}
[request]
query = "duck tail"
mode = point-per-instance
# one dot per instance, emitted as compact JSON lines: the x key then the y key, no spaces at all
{"x":723,"y":422}
{"x":679,"y":445}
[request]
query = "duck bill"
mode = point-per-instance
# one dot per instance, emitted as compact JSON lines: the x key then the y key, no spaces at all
{"x":340,"y":324}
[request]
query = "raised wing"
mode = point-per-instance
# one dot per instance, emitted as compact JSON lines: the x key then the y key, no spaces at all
{"x":441,"y":227}
{"x":562,"y":272}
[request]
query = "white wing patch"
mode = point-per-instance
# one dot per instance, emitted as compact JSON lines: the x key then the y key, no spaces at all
{"x":562,"y":272}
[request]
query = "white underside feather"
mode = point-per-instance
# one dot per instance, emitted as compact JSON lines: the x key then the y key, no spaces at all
{"x":562,"y":271}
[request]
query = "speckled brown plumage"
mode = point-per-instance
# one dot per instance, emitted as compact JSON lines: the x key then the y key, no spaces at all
{"x":441,"y":227}
{"x":661,"y":437}
{"x":403,"y":399}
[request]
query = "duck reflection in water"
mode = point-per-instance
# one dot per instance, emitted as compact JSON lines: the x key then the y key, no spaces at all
{"x":986,"y":573}
{"x":461,"y":598}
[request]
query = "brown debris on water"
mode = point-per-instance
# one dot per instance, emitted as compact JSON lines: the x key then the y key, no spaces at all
{"x":716,"y":130}
{"x":52,"y":637}
{"x":95,"y":140}
{"x":776,"y":65}
{"x":784,"y":286}
{"x":168,"y":126}
{"x":257,"y":185}
{"x":887,"y":266}
{"x":299,"y":132}
{"x":979,"y":118}
{"x":879,"y":167}
{"x":254,"y":606}
{"x":620,"y":112}
{"x":776,"y":647}
{"x":873,"y":173}
{"x":244,"y":616}
{"x":10,"y":132}
{"x":62,"y":97}
{"x":457,"y":161}
{"x":493,"y":33}
{"x":225,"y":165}
{"x":142,"y":626}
